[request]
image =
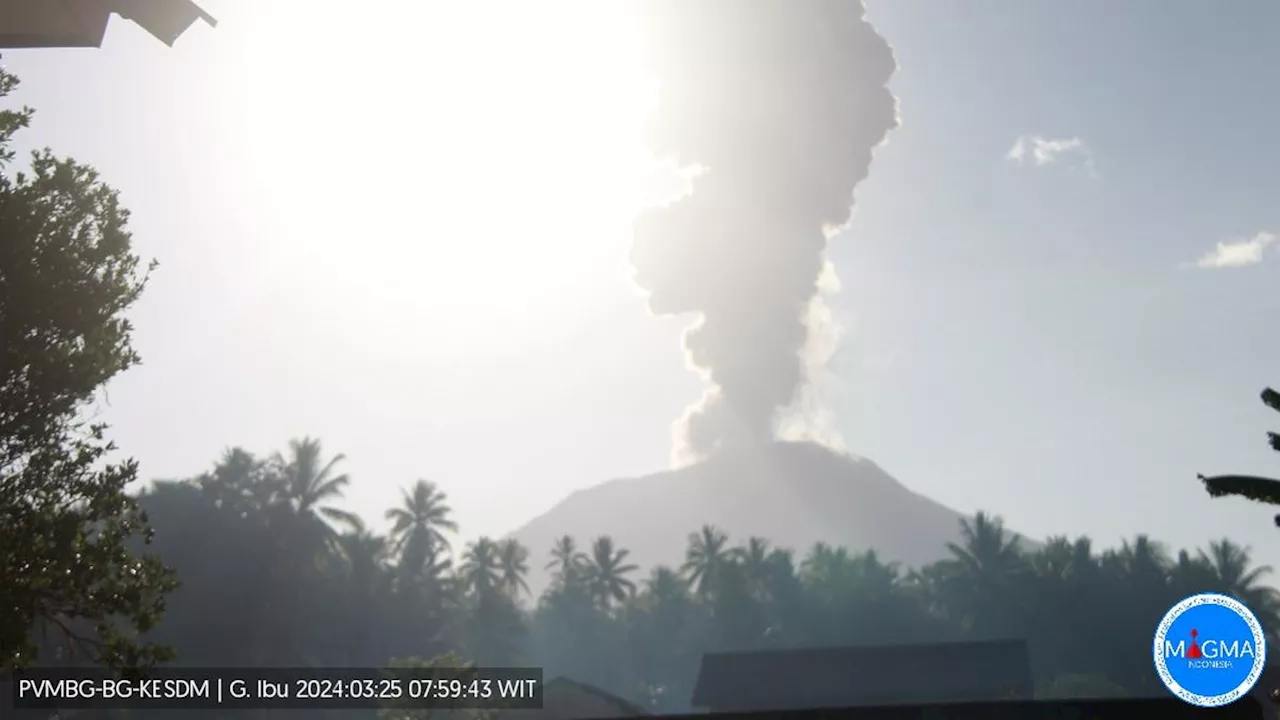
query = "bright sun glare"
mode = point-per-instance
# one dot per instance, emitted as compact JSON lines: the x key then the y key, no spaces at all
{"x":484,"y":157}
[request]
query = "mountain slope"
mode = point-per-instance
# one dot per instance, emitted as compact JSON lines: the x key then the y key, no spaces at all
{"x":794,"y":494}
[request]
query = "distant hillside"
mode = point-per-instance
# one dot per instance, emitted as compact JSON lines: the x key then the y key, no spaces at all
{"x":794,"y":494}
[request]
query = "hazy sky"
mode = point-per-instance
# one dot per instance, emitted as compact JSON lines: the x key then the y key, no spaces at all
{"x":407,"y":233}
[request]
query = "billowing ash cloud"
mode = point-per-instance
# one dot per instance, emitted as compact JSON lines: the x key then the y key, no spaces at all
{"x":779,"y":104}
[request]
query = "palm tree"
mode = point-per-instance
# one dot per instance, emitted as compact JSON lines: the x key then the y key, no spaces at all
{"x":780,"y":574}
{"x":1143,"y":561}
{"x":492,"y":621}
{"x":481,"y":566}
{"x":240,"y":481}
{"x":566,"y":559}
{"x":1233,"y":570}
{"x":781,"y":564}
{"x":836,"y":577}
{"x":1083,"y":566}
{"x":873,"y":577}
{"x":931,"y":587}
{"x":1054,"y":558}
{"x":364,"y":552}
{"x":665,"y":585}
{"x":986,"y":548}
{"x":434,"y":569}
{"x":985,"y":573}
{"x":1190,"y":574}
{"x":1258,"y":489}
{"x":754,"y":557}
{"x":1233,"y":573}
{"x":513,"y":558}
{"x":607,"y":571}
{"x":707,"y":554}
{"x":307,"y":481}
{"x":1252,"y":487}
{"x":419,"y":524}
{"x":1063,"y":569}
{"x":785,"y":595}
{"x":824,"y":561}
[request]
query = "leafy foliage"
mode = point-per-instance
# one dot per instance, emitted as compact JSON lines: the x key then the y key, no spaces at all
{"x":404,"y":711}
{"x":67,"y":275}
{"x":358,"y":600}
{"x":277,"y":573}
{"x":1258,"y":489}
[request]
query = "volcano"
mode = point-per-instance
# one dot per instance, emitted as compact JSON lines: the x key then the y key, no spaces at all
{"x":793,"y":494}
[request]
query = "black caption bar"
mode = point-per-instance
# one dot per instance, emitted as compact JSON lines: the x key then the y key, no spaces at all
{"x":280,"y":688}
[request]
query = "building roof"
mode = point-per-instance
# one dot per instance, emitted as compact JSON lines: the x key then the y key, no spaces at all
{"x":83,"y":23}
{"x":867,"y":675}
{"x":625,"y":707}
{"x":1166,"y":708}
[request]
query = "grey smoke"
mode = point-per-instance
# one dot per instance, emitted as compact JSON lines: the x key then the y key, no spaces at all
{"x":779,"y":104}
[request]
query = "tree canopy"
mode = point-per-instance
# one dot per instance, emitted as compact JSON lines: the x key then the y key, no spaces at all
{"x":1258,"y":489}
{"x":276,"y":572}
{"x":67,"y":276}
{"x":261,"y":588}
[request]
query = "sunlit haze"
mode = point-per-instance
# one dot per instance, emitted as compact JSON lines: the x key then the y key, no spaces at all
{"x":406,"y":228}
{"x":492,"y":154}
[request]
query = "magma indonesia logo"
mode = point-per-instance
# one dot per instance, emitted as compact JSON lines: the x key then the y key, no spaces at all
{"x":1209,"y":650}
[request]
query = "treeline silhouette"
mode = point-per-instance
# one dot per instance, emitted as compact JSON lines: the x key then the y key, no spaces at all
{"x":274,"y":572}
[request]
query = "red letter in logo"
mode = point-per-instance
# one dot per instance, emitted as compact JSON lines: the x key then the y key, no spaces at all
{"x":1193,"y":652}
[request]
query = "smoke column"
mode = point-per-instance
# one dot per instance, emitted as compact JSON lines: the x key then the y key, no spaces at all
{"x":779,"y":105}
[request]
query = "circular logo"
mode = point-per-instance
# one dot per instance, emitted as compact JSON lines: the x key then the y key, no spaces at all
{"x":1209,"y":650}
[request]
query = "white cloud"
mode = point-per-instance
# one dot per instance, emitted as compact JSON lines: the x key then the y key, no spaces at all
{"x":1041,"y":151}
{"x":1237,"y":253}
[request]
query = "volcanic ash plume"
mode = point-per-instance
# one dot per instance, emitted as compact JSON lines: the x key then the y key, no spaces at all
{"x":779,"y":105}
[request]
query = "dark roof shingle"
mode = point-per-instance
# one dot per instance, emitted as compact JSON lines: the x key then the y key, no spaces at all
{"x":845,"y":676}
{"x":1167,"y":708}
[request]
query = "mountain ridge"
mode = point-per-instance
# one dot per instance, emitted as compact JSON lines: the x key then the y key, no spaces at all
{"x":793,"y":494}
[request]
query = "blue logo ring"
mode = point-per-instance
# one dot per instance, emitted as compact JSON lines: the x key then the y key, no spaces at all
{"x":1198,"y":676}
